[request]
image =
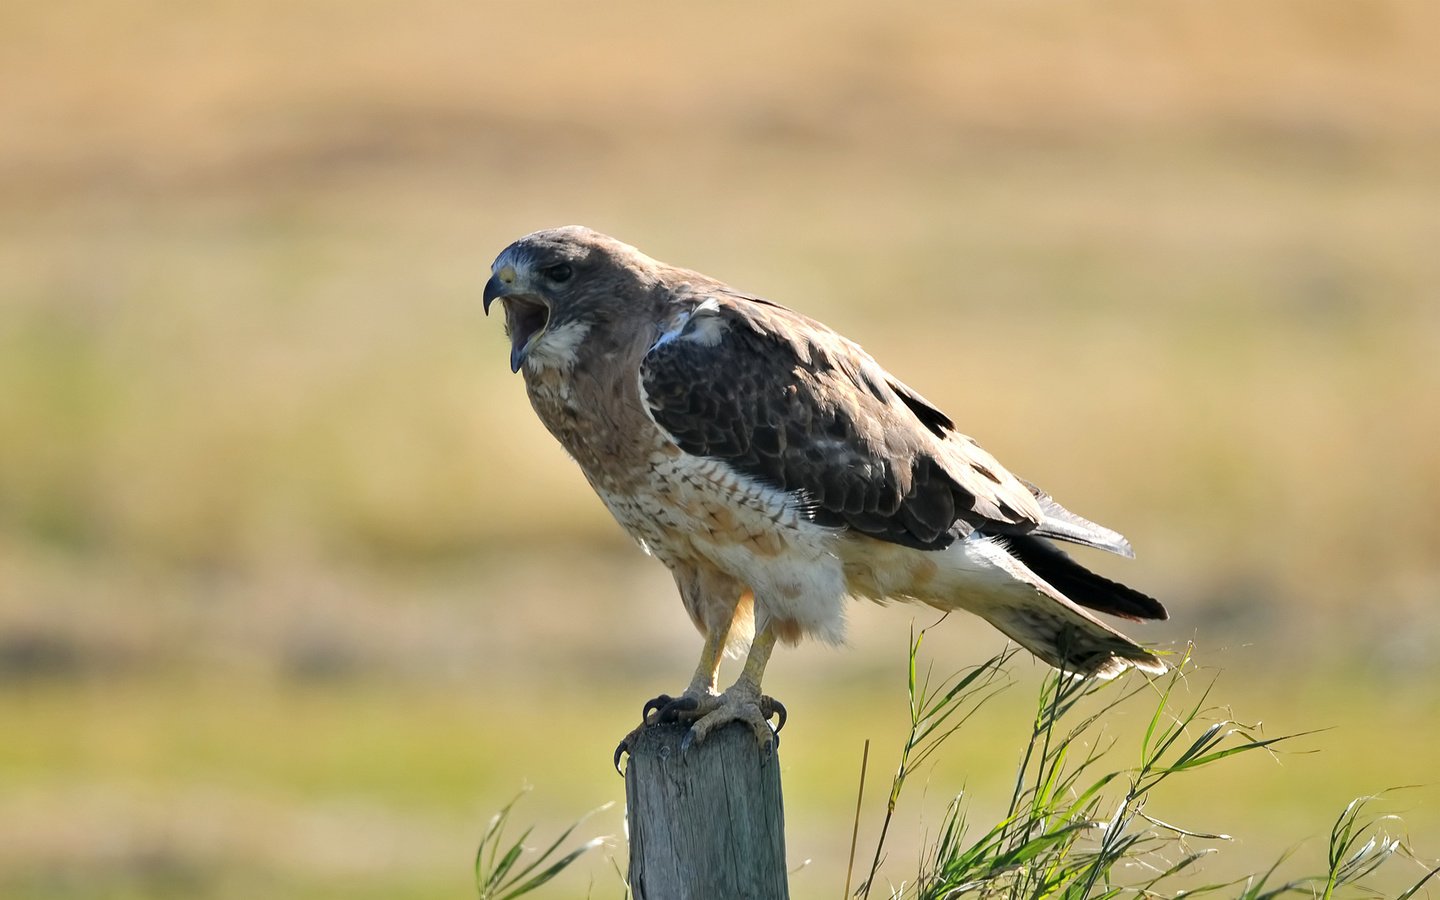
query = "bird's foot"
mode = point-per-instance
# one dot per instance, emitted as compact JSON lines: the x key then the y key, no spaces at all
{"x":685,"y":708}
{"x":747,"y":706}
{"x":706,"y":712}
{"x":667,"y":709}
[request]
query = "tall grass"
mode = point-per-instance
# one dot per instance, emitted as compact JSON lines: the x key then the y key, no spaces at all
{"x":1077,"y":825}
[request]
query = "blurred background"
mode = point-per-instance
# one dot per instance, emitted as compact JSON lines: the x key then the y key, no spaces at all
{"x":295,"y":591}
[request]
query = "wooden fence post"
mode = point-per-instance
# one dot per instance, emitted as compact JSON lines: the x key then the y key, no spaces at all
{"x":708,"y":824}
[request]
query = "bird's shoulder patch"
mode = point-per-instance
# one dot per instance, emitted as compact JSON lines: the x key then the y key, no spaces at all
{"x":785,"y":400}
{"x":704,"y":324}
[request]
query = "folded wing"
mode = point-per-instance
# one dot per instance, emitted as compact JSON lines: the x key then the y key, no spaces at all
{"x":787,"y":401}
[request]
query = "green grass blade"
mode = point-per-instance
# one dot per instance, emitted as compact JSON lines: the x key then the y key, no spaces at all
{"x":553,"y":869}
{"x":497,"y":875}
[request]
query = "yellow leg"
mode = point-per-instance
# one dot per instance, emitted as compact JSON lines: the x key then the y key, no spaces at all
{"x":743,"y":702}
{"x":756,"y":661}
{"x":708,"y":672}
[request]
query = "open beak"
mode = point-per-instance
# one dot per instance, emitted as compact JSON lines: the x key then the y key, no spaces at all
{"x":525,"y":315}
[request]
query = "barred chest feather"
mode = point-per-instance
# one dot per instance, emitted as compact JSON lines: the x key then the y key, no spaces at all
{"x":678,"y":506}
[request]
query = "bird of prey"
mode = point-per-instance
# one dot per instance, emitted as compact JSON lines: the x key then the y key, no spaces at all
{"x":778,"y":470}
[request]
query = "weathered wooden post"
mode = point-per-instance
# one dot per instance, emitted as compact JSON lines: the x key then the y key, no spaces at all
{"x":708,"y":824}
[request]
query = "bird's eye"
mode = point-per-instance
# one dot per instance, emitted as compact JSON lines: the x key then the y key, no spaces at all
{"x":558,"y":273}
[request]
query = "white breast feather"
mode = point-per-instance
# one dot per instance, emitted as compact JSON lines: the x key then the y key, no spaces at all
{"x":764,"y":540}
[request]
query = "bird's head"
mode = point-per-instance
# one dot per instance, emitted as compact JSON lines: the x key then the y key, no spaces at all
{"x":557,"y":285}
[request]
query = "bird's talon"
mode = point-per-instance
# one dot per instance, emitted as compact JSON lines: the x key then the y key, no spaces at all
{"x":666,"y":708}
{"x":674,"y":709}
{"x":655,"y":705}
{"x":777,"y":709}
{"x":704,"y":713}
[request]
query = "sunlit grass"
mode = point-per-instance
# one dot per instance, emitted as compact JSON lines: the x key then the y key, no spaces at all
{"x":1087,"y":814}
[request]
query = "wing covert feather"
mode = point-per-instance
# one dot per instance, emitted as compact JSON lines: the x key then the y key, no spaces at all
{"x":791,"y":403}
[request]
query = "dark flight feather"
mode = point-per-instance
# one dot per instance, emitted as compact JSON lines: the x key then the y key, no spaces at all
{"x":1080,"y":584}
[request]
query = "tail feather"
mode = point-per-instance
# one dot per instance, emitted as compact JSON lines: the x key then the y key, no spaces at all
{"x":1038,"y":617}
{"x":1080,"y":584}
{"x":1070,"y":640}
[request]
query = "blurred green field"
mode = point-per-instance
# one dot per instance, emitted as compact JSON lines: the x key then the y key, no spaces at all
{"x":294,"y":590}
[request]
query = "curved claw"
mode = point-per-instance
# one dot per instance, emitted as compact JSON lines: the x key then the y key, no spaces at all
{"x":673,"y":709}
{"x":708,"y":712}
{"x":655,"y":705}
{"x":666,"y":708}
{"x":778,"y":709}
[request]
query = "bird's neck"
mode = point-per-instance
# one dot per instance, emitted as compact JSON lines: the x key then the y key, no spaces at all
{"x":594,"y":409}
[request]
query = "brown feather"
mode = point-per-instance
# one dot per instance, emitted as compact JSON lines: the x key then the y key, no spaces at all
{"x":787,"y":401}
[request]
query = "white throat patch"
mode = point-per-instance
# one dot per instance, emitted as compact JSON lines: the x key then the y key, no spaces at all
{"x":557,"y":347}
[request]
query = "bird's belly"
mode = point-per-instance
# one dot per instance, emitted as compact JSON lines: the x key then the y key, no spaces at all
{"x":696,"y":511}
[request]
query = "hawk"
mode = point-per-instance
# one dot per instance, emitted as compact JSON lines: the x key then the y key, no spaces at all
{"x":776,"y":469}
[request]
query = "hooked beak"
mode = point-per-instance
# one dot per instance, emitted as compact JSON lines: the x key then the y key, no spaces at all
{"x":525,"y":315}
{"x":499,"y":286}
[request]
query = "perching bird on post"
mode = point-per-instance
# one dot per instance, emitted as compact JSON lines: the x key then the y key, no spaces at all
{"x":778,"y":470}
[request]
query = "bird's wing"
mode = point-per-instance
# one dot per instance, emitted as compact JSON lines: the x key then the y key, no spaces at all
{"x":1062,"y":524}
{"x":785,"y":400}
